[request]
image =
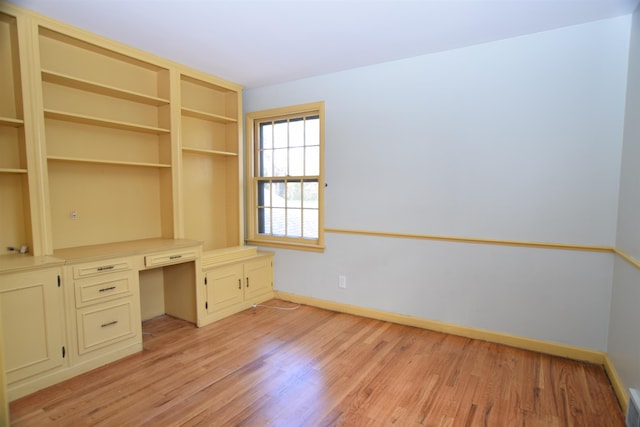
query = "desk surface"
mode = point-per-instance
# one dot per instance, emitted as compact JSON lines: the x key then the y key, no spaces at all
{"x":121,"y":249}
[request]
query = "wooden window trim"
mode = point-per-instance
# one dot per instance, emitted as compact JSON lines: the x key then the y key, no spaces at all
{"x":253,"y":237}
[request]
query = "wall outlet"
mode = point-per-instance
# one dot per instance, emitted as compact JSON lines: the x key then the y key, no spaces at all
{"x":342,"y":282}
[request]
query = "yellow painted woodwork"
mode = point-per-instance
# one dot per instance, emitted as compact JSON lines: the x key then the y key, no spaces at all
{"x":236,"y":285}
{"x":109,"y":157}
{"x":106,"y":139}
{"x":4,"y":398}
{"x":151,"y":293}
{"x":31,"y":304}
{"x":180,"y":292}
{"x":14,"y":185}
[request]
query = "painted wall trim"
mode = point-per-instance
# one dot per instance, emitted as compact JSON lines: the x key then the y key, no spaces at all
{"x":541,"y":346}
{"x":618,"y":387}
{"x":545,"y":245}
{"x":631,"y":260}
{"x":546,"y":347}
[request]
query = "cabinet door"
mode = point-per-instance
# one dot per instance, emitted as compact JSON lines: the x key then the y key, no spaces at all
{"x":32,"y":319}
{"x":224,"y":287}
{"x":258,"y":277}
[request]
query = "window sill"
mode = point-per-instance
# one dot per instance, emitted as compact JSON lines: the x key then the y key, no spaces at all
{"x":286,"y":245}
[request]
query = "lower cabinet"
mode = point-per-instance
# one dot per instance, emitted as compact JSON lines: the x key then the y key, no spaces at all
{"x":32,"y":310}
{"x":106,"y":299}
{"x":63,"y":316}
{"x":234,"y":286}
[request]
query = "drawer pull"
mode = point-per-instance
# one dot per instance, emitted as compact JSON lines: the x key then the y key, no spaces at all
{"x":247,"y":282}
{"x":239,"y":283}
{"x":104,"y":325}
{"x":110,"y":288}
{"x":175,"y":257}
{"x":105,"y":268}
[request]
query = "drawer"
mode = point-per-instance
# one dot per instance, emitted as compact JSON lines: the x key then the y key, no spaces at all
{"x":103,"y":288}
{"x":170,"y":258}
{"x":102,"y":267}
{"x":100,"y":326}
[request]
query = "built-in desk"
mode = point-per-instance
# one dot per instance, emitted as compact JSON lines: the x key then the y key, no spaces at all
{"x":83,"y":307}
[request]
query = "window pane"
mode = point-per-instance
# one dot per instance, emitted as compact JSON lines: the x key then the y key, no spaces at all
{"x":286,"y":182}
{"x":266,"y":163}
{"x":310,"y":194}
{"x":310,"y":225}
{"x":296,"y":133}
{"x":312,"y":161}
{"x":278,"y":194}
{"x":312,"y":131}
{"x":280,"y":134}
{"x":266,"y":130}
{"x":264,"y":221}
{"x":294,"y":193}
{"x":278,"y":221}
{"x":264,"y":194}
{"x":296,"y":161}
{"x":294,"y":222}
{"x":280,"y":162}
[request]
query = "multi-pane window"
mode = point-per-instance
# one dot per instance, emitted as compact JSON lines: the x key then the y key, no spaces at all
{"x":285,"y":199}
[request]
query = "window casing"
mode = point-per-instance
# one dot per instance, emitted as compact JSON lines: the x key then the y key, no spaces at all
{"x":285,"y":177}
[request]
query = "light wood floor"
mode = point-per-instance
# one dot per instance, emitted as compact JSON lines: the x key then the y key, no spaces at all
{"x":312,"y":367}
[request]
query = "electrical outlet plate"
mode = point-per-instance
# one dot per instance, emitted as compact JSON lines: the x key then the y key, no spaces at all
{"x":342,"y":282}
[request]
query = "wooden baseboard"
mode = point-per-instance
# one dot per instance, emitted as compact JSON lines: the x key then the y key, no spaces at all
{"x":616,"y":383}
{"x":547,"y":347}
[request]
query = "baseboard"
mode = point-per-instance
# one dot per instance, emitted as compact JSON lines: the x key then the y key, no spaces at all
{"x":546,"y":347}
{"x":616,"y":383}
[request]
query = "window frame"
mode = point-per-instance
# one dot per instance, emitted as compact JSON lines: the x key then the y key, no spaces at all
{"x":252,"y":121}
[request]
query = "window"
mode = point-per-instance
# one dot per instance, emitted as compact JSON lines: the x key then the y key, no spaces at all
{"x":285,"y":150}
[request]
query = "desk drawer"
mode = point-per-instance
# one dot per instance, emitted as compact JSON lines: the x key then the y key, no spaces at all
{"x":105,"y":324}
{"x":103,"y":288}
{"x":170,"y":258}
{"x":103,"y":267}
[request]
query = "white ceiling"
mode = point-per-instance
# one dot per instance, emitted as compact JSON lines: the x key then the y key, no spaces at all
{"x":262,"y":42}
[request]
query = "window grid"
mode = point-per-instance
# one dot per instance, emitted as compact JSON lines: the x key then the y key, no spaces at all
{"x":285,"y":199}
{"x":276,"y":162}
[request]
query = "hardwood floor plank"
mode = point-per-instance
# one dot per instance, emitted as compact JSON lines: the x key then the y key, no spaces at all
{"x":312,"y":367}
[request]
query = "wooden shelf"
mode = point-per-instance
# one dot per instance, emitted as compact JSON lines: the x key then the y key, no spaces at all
{"x":88,"y":120}
{"x":89,"y":86}
{"x":10,"y":170}
{"x":11,"y":122}
{"x":107,"y":162}
{"x":208,"y":116}
{"x":209,"y":152}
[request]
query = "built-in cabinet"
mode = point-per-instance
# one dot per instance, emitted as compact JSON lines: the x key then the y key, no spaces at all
{"x":115,"y":165}
{"x":102,"y":143}
{"x":107,"y":131}
{"x":33,"y":320}
{"x":210,"y":118}
{"x":106,"y":301}
{"x":236,"y":285}
{"x":17,"y":168}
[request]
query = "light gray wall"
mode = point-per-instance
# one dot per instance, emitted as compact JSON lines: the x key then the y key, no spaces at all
{"x":624,"y":331}
{"x":518,"y":139}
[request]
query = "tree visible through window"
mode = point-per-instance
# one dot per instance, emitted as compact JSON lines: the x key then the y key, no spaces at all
{"x":286,"y":194}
